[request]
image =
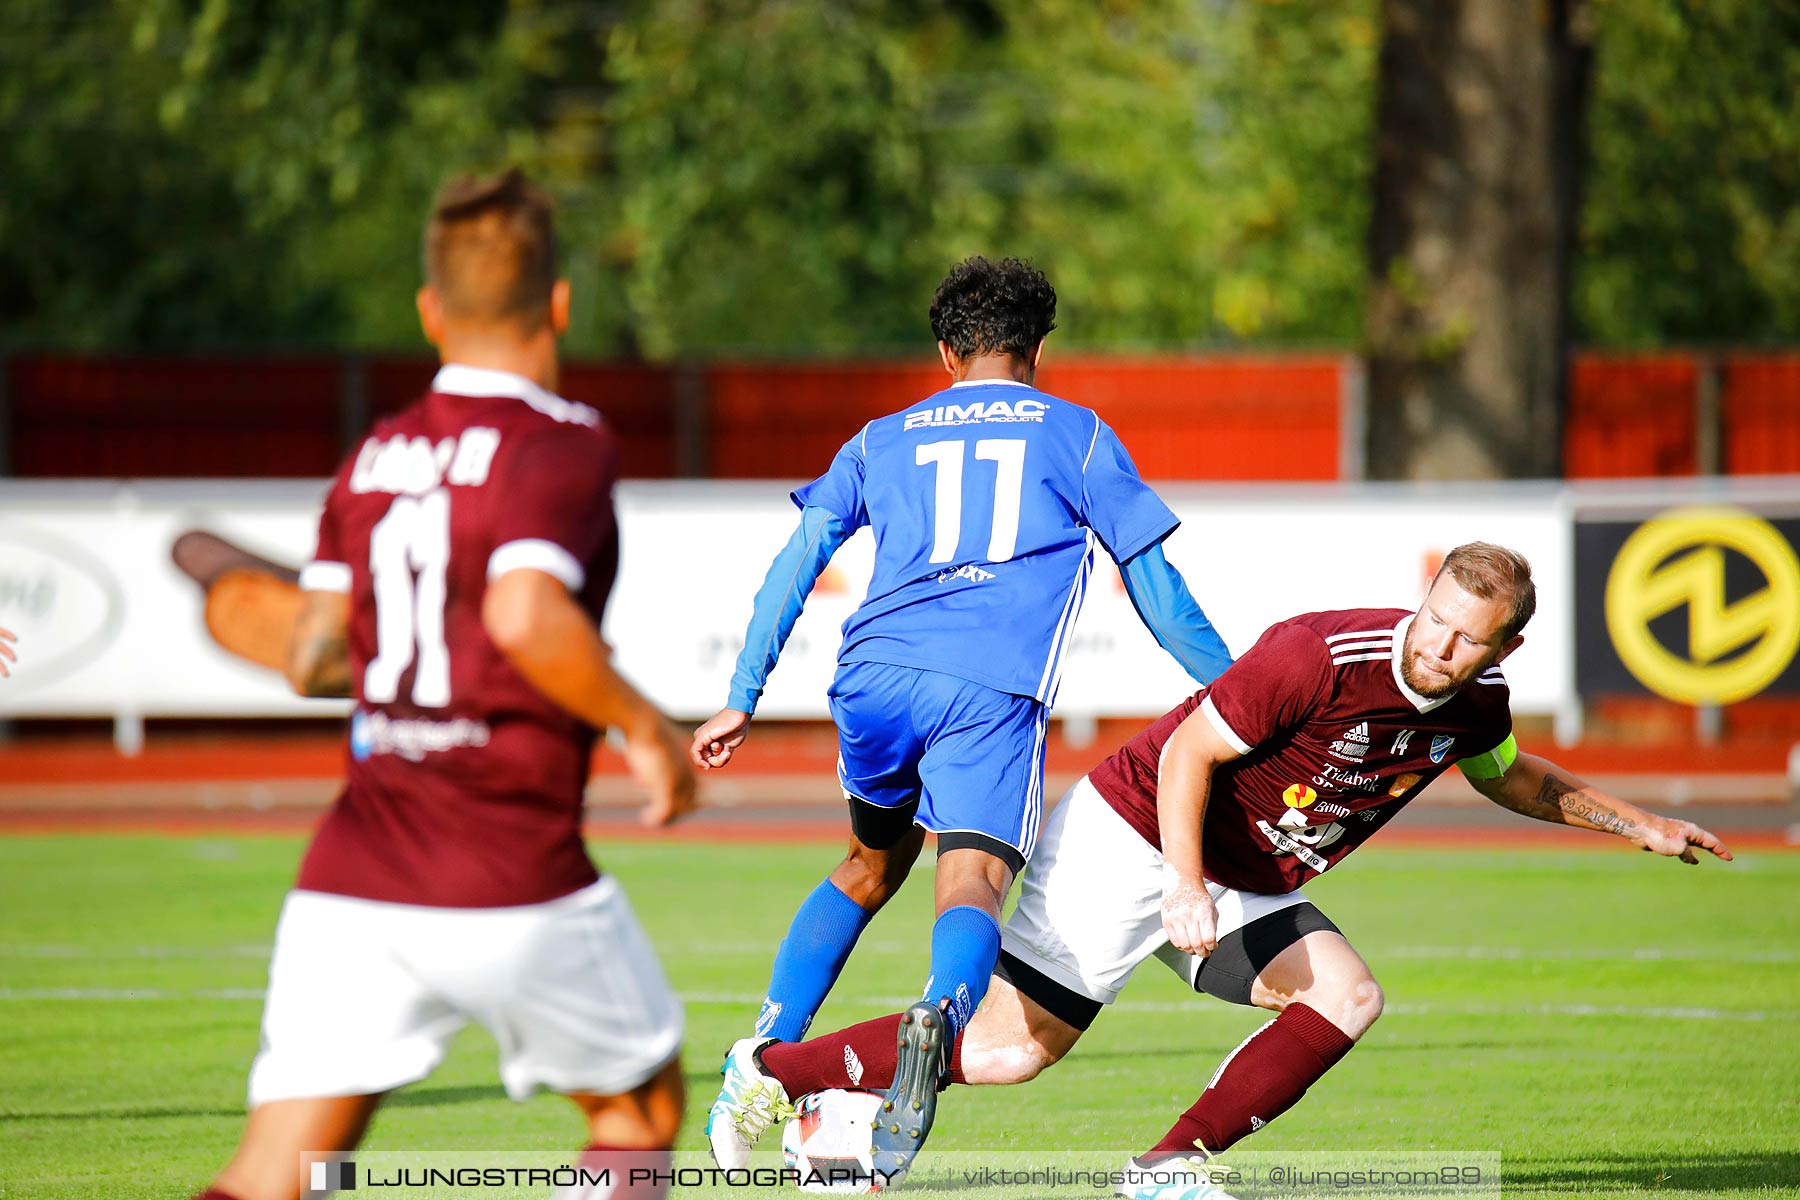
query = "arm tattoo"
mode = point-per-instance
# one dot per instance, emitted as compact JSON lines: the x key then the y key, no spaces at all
{"x":1557,"y":800}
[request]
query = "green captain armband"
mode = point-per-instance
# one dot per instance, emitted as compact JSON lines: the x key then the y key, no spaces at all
{"x":1493,"y":764}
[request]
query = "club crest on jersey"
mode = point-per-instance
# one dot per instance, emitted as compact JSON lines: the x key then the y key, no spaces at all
{"x":1298,"y":795}
{"x":1354,"y":743}
{"x":1440,"y":746}
{"x":970,"y":414}
{"x":1400,"y":740}
{"x":1404,"y":784}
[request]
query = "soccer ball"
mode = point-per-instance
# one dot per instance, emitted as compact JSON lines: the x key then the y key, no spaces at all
{"x":827,"y":1141}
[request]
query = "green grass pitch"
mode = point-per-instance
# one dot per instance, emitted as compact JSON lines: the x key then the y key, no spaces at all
{"x":1613,"y":1024}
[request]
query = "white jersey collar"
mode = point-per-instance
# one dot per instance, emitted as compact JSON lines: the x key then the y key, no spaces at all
{"x":1417,"y":701}
{"x":458,"y":379}
{"x":990,"y":382}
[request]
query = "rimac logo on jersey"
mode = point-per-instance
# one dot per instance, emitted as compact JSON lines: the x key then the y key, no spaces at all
{"x":970,"y":414}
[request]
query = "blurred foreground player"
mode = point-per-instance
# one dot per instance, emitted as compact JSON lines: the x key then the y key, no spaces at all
{"x":985,"y":501}
{"x":1191,"y":843}
{"x":7,"y":654}
{"x":464,"y":558}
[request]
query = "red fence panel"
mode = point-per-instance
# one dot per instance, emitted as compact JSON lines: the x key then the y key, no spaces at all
{"x":153,"y":417}
{"x":786,"y":420}
{"x":1760,"y":410}
{"x":1225,"y":418}
{"x":1630,"y":416}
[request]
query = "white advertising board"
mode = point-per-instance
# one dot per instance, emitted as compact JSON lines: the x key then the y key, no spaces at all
{"x":108,"y":627}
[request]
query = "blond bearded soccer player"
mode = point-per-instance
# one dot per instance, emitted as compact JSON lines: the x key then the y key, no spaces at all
{"x":465,"y":555}
{"x":1191,"y":843}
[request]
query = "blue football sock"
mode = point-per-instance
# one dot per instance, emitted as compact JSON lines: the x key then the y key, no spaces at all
{"x":818,"y":942}
{"x":965,"y":945}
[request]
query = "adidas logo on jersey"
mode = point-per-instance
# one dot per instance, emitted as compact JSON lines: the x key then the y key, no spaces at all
{"x":969,"y":414}
{"x":1353,"y":745}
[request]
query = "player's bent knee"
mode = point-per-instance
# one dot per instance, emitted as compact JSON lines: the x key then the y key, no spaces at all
{"x":1000,"y":1065}
{"x":1352,"y":1007}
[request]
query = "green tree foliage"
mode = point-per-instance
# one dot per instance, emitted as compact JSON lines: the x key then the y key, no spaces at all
{"x":793,"y":176}
{"x":1691,"y":225}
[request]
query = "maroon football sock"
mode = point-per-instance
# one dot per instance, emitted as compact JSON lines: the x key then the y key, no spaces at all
{"x":213,"y":1193}
{"x":1262,"y":1079}
{"x":862,"y":1056}
{"x":631,"y":1174}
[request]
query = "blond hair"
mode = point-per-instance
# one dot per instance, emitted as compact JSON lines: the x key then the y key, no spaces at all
{"x":1495,"y":573}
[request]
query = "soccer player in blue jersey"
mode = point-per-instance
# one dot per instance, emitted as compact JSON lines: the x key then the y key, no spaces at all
{"x":985,"y":500}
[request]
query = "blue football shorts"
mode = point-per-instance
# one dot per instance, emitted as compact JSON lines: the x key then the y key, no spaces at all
{"x":966,"y":760}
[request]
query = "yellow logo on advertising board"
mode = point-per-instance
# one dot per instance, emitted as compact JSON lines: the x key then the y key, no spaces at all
{"x":1736,"y":649}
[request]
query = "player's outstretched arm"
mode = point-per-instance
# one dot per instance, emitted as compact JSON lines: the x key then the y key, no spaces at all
{"x":716,"y":740}
{"x":1183,"y":786}
{"x":1538,"y":788}
{"x":1172,"y":615}
{"x":318,"y":658}
{"x":7,"y":654}
{"x":777,"y":606}
{"x":552,"y":642}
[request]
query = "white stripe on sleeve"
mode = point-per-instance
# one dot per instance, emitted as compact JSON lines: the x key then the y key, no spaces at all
{"x":321,"y":575}
{"x":1221,"y":728}
{"x":536,"y":554}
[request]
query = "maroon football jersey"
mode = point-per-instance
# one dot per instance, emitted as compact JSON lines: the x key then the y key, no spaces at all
{"x":1333,"y":744}
{"x":464,"y":784}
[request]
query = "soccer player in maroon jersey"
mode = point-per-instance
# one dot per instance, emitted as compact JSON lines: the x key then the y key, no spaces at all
{"x":1192,"y":841}
{"x":465,"y":555}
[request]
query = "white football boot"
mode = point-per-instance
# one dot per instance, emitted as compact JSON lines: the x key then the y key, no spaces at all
{"x":750,"y":1100}
{"x":1178,"y":1177}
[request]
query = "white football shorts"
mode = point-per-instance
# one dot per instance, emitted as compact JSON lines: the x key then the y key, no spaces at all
{"x":1090,"y":901}
{"x":365,"y":996}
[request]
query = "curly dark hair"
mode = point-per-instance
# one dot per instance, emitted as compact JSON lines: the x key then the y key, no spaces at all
{"x":986,"y":307}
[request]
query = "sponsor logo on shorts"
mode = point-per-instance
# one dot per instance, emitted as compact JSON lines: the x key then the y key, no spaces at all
{"x":1404,"y":784}
{"x":1440,"y":746}
{"x":373,"y":733}
{"x":970,"y":414}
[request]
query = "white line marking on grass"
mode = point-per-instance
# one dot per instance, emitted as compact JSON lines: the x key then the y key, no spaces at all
{"x":129,"y":994}
{"x":246,"y":950}
{"x":1626,"y":954}
{"x":1588,"y":954}
{"x":1196,"y":1007}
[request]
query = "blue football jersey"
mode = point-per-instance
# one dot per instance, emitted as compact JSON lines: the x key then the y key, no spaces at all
{"x":985,"y":501}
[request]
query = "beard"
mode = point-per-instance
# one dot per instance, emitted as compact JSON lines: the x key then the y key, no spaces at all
{"x":1426,"y":682}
